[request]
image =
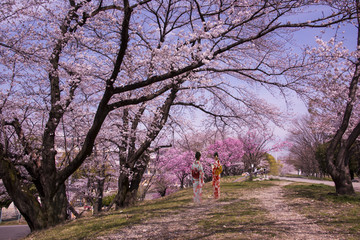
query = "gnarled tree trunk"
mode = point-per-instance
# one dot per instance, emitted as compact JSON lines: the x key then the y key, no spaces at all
{"x":53,"y":207}
{"x":339,"y":170}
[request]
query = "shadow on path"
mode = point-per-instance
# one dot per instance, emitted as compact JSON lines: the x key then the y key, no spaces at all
{"x":12,"y":232}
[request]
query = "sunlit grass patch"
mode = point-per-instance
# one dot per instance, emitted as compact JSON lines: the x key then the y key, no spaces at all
{"x":237,"y":217}
{"x":308,"y":177}
{"x":239,"y":220}
{"x":90,"y":227}
{"x":235,"y":214}
{"x":86,"y":228}
{"x":337,"y":214}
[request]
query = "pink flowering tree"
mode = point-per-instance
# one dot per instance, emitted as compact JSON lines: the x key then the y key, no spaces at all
{"x":92,"y":179}
{"x":164,"y":184}
{"x":334,"y":101}
{"x":230,"y":152}
{"x":177,"y":162}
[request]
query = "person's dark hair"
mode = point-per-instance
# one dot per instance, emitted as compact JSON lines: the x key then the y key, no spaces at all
{"x":216,"y":154}
{"x":197,"y":155}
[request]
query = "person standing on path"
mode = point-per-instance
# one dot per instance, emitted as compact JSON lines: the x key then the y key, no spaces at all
{"x":197,"y":173}
{"x":216,"y":171}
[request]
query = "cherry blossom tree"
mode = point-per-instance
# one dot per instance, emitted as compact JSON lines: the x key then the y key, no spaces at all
{"x":177,"y":162}
{"x":92,"y":58}
{"x":135,"y":132}
{"x":230,"y":150}
{"x":305,"y":140}
{"x":256,"y":145}
{"x":92,"y":179}
{"x":335,"y":101}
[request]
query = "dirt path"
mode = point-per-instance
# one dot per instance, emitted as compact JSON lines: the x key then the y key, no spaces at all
{"x":290,"y":224}
{"x":285,"y":223}
{"x":180,"y":226}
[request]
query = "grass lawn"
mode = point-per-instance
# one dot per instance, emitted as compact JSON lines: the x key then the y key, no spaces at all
{"x":235,"y":217}
{"x":336,"y":214}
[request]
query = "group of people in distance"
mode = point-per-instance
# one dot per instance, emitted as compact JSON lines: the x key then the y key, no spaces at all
{"x":197,"y":173}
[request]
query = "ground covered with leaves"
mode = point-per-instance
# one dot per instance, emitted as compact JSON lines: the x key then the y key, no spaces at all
{"x":246,"y":210}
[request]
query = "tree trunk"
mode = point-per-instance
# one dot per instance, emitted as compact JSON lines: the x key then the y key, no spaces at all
{"x":127,"y":194}
{"x":123,"y":189}
{"x":56,"y":207}
{"x":340,"y":172}
{"x":72,"y":209}
{"x":51,"y":210}
{"x":99,"y":196}
{"x":343,"y":185}
{"x":182,"y":182}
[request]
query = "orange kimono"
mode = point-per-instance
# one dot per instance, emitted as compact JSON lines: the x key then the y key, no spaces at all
{"x":216,"y":171}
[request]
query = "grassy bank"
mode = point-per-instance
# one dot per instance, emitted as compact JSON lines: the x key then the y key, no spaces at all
{"x":337,"y":214}
{"x":236,"y":216}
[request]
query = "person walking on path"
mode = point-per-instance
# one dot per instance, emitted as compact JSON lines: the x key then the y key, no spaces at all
{"x":216,"y":171}
{"x":197,"y":173}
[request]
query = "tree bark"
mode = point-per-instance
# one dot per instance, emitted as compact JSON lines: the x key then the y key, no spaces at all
{"x":343,"y":184}
{"x":338,"y":163}
{"x":127,"y":194}
{"x":137,"y":160}
{"x":340,"y":172}
{"x":99,"y":196}
{"x":123,"y":189}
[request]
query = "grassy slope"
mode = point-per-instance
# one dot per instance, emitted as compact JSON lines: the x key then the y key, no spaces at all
{"x":237,"y":218}
{"x":336,"y":214}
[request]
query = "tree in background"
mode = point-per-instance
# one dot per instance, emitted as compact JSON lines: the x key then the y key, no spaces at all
{"x":305,"y":140}
{"x":256,"y":148}
{"x":92,"y":179}
{"x":178,"y":162}
{"x":171,"y":169}
{"x":274,"y":165}
{"x":230,"y":152}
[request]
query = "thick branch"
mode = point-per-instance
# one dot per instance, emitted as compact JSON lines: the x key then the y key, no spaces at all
{"x":156,"y":125}
{"x":145,"y":98}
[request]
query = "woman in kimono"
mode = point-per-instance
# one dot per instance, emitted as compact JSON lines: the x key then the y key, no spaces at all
{"x":197,"y":173}
{"x":216,"y":171}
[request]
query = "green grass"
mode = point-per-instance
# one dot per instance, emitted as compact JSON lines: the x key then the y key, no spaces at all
{"x":239,"y":218}
{"x":327,"y":178}
{"x":86,"y":227}
{"x":234,"y":217}
{"x":337,"y":214}
{"x":245,"y":216}
{"x":89,"y":227}
{"x":13,"y":222}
